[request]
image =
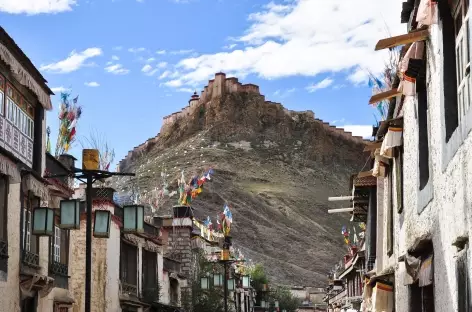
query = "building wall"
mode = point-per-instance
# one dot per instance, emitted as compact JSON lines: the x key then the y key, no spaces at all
{"x":113,"y":269}
{"x":442,"y":210}
{"x":10,"y":298}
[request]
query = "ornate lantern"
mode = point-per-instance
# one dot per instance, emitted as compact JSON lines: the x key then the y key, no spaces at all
{"x":133,"y":219}
{"x":43,"y":221}
{"x":70,"y":214}
{"x":101,"y":223}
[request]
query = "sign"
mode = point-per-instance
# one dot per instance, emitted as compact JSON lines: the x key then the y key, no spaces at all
{"x":90,"y":159}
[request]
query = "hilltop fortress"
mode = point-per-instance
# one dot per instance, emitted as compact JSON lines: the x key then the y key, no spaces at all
{"x":218,"y":88}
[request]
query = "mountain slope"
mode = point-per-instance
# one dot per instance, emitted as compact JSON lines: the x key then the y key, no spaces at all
{"x":275,"y":168}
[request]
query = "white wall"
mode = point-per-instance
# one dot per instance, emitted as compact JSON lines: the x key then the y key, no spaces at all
{"x":447,"y":215}
{"x":113,"y":269}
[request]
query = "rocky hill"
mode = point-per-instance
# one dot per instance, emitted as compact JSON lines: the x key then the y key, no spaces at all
{"x":276,"y":169}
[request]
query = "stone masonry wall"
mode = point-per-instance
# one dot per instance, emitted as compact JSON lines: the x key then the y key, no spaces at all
{"x":218,"y":87}
{"x":180,"y":247}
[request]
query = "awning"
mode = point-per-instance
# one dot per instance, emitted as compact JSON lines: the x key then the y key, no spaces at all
{"x":372,"y":146}
{"x":426,"y":14}
{"x":24,"y":77}
{"x":382,"y":297}
{"x":393,"y":138}
{"x":37,"y":187}
{"x":384,"y":96}
{"x":412,"y":67}
{"x":415,"y":36}
{"x":9,"y":168}
{"x":418,"y":269}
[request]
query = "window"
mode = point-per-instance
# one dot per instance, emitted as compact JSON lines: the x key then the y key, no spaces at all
{"x":423,"y":140}
{"x":421,"y":298}
{"x":2,"y":111}
{"x":149,"y":269}
{"x":129,"y":265}
{"x":31,"y":241}
{"x":19,"y":114}
{"x":57,"y":244}
{"x":463,"y":282}
{"x":3,"y":223}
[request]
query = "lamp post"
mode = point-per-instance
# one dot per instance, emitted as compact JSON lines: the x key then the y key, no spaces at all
{"x":89,"y":174}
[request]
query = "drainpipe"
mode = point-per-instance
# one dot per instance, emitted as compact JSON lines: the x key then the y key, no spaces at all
{"x":22,"y":208}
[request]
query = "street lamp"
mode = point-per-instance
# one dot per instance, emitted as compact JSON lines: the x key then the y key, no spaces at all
{"x":101,"y":224}
{"x":88,"y":174}
{"x":133,"y":219}
{"x":43,"y":221}
{"x":70,"y":214}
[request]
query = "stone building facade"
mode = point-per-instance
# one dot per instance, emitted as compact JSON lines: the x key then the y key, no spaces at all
{"x":418,"y":221}
{"x":129,"y":272}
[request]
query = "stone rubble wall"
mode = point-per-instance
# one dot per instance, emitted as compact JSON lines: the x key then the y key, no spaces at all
{"x":219,"y":87}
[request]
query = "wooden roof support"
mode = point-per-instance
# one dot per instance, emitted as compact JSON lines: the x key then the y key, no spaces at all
{"x":364,"y":174}
{"x":340,"y":198}
{"x":384,"y":96}
{"x":391,"y":42}
{"x":372,"y":146}
{"x":331,"y":211}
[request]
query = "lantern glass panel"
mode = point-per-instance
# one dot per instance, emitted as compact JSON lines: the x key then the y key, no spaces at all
{"x":217,"y":280}
{"x":129,"y":218}
{"x":245,"y":281}
{"x":204,"y":282}
{"x":231,"y":284}
{"x":101,"y":227}
{"x":70,"y":214}
{"x":140,"y":221}
{"x":276,"y":304}
{"x":43,"y":221}
{"x":263,"y":304}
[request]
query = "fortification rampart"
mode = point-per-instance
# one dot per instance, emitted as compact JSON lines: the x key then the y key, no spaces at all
{"x":220,"y":86}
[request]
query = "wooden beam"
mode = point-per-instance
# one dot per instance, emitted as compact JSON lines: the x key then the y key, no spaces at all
{"x":372,"y":146}
{"x":402,"y":39}
{"x":364,"y":174}
{"x":331,"y":211}
{"x":340,"y":198}
{"x":384,"y":96}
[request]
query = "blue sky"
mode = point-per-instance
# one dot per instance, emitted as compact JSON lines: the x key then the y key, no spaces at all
{"x":132,"y":62}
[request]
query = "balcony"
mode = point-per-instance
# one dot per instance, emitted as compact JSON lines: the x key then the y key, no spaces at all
{"x":3,"y":249}
{"x":57,"y":268}
{"x":16,"y":132}
{"x":171,"y":265}
{"x":151,"y":295}
{"x":129,"y":289}
{"x":31,"y":259}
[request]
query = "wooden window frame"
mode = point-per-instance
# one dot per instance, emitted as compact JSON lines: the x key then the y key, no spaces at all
{"x":149,"y":258}
{"x":126,"y":266}
{"x":28,"y":225}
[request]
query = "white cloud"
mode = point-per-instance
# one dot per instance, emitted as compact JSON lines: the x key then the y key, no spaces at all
{"x":230,"y":46}
{"x":162,"y":65}
{"x":181,"y":52}
{"x":93,"y":84}
{"x":338,"y":121}
{"x":73,"y":62}
{"x":118,"y":48}
{"x":150,"y":60}
{"x":364,"y":131}
{"x":136,"y":50}
{"x":187,"y":90}
{"x":32,"y":7}
{"x":161,"y":52}
{"x":284,"y":93}
{"x":173,"y":83}
{"x":57,"y":90}
{"x":320,"y":85}
{"x":115,"y":58}
{"x":117,"y":69}
{"x":165,"y":74}
{"x":147,"y":68}
{"x":305,"y":38}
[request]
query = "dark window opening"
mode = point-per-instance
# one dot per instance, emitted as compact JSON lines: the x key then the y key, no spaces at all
{"x":31,"y":242}
{"x":129,"y":267}
{"x":150,"y":285}
{"x":3,"y":223}
{"x":423,"y":139}
{"x":449,"y":69}
{"x":421,"y":298}
{"x":463,"y":283}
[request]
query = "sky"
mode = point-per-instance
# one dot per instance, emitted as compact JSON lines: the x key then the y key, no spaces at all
{"x":133,"y":62}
